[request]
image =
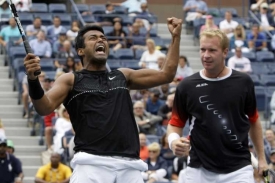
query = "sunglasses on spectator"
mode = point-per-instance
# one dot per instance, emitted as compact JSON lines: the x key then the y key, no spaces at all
{"x":152,"y":151}
{"x":138,"y":108}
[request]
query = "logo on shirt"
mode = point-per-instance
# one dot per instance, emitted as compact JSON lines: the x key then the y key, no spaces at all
{"x":201,"y":85}
{"x":111,"y":78}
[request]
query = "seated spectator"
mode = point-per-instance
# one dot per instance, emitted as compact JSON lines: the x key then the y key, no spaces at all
{"x":272,"y":159}
{"x":150,"y":56}
{"x":58,"y":44}
{"x":5,"y":12}
{"x":109,"y":17}
{"x":255,"y":6}
{"x":267,"y":22}
{"x":8,"y":32}
{"x":69,"y":145}
{"x":11,"y":168}
{"x":270,"y":143}
{"x":239,"y":63}
{"x":183,"y":69}
{"x":160,"y":62}
{"x":49,"y":129}
{"x":154,"y":103}
{"x":143,"y":153}
{"x":194,"y":9}
{"x":25,"y":96}
{"x":40,"y":46}
{"x":62,"y":125}
{"x":72,"y":33}
{"x":54,"y":171}
{"x":165,"y":111}
{"x":256,"y":39}
{"x":239,"y":40}
{"x":133,"y":6}
{"x":32,"y":30}
{"x":166,"y":153}
{"x":228,"y":25}
{"x":55,"y":29}
{"x":157,"y":166}
{"x":23,"y":5}
{"x":66,"y":50}
{"x":136,"y":39}
{"x":141,"y":95}
{"x":146,"y":122}
{"x":209,"y":24}
{"x":2,"y":130}
{"x":116,"y":38}
{"x":142,"y":18}
{"x":70,"y":65}
{"x":164,"y":92}
{"x":272,"y":109}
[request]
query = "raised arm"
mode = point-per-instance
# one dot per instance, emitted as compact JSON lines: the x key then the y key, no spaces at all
{"x":147,"y":78}
{"x":45,"y":103}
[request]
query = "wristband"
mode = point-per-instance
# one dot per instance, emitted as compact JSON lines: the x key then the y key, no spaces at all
{"x":171,"y":138}
{"x":35,"y":90}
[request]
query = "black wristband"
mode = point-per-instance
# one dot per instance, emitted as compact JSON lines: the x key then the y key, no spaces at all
{"x":35,"y":90}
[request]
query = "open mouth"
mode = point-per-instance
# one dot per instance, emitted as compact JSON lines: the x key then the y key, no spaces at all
{"x":100,"y":49}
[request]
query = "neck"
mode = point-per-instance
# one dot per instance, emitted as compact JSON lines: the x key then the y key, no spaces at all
{"x":151,"y":50}
{"x":54,"y":166}
{"x":95,"y":67}
{"x":153,"y":159}
{"x":3,"y":155}
{"x":216,"y":73}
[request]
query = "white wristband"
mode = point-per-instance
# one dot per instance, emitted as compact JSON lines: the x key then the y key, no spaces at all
{"x":171,"y":138}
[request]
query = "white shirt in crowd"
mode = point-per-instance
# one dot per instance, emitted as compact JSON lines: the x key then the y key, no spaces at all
{"x":151,"y":59}
{"x":184,"y":71}
{"x":239,"y":64}
{"x":264,"y":21}
{"x":24,"y":5}
{"x":71,"y":34}
{"x":228,"y":25}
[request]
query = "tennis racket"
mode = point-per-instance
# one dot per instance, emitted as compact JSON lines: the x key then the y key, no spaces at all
{"x":22,"y":32}
{"x":269,"y":176}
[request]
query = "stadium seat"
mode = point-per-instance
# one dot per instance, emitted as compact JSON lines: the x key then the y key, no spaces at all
{"x":66,"y":19}
{"x":138,"y":54}
{"x":259,"y":68}
{"x":26,"y":18}
{"x":271,"y":67}
{"x":50,"y":74}
{"x":39,"y":7}
{"x":268,"y":80}
{"x":17,"y":52}
{"x":250,"y":55}
{"x":107,"y":29}
{"x":159,"y":41}
{"x":89,"y":19}
{"x":152,"y":138}
{"x":126,"y":20}
{"x":124,"y":53}
{"x":260,"y":97}
{"x":241,"y":21}
{"x":153,"y":32}
{"x":214,"y":12}
{"x":114,"y":64}
{"x":111,"y":54}
{"x":13,"y":39}
{"x":81,"y":8}
{"x":217,"y":20}
{"x":47,"y":64}
{"x":265,"y":56}
{"x":98,"y":9}
{"x":120,"y":10}
{"x":255,"y":79}
{"x":232,"y":10}
{"x":57,"y":8}
{"x":46,"y":18}
{"x":133,"y":64}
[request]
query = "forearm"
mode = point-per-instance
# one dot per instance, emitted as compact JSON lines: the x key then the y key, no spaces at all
{"x":257,"y":139}
{"x":38,"y":180}
{"x":172,"y":59}
{"x":173,"y":129}
{"x":66,"y":181}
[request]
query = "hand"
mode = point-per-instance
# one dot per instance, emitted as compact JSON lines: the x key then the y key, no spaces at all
{"x":181,"y":146}
{"x":31,"y":63}
{"x":168,"y":115}
{"x":262,"y":166}
{"x":174,"y":26}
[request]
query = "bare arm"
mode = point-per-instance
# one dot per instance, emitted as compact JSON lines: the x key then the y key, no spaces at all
{"x":66,"y":180}
{"x":38,"y":180}
{"x":147,"y":78}
{"x":173,"y":129}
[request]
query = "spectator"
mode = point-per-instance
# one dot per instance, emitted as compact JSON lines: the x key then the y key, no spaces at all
{"x":70,"y":66}
{"x":62,"y":125}
{"x":11,"y":169}
{"x":194,"y":9}
{"x":5,"y":12}
{"x":136,"y":39}
{"x":154,"y":103}
{"x":270,"y":143}
{"x":109,"y":18}
{"x":272,"y":159}
{"x":141,"y":95}
{"x":32,"y":30}
{"x":161,"y":61}
{"x":66,"y":51}
{"x":164,"y":91}
{"x":239,"y":40}
{"x":267,"y":22}
{"x":272,"y":108}
{"x":228,"y":25}
{"x":48,"y":123}
{"x":166,"y":153}
{"x":117,"y":37}
{"x":209,"y":24}
{"x":58,"y":44}
{"x":55,"y":29}
{"x":149,"y":58}
{"x":10,"y":147}
{"x":54,"y":171}
{"x":143,"y":18}
{"x":41,"y":47}
{"x":144,"y":153}
{"x":183,"y":70}
{"x":133,"y":6}
{"x":8,"y":32}
{"x":23,"y":5}
{"x":72,"y":33}
{"x":165,"y":111}
{"x":239,"y":63}
{"x":157,"y":166}
{"x":256,"y":39}
{"x":146,"y":122}
{"x":256,"y":4}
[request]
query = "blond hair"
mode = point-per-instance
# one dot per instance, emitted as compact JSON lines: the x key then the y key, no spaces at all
{"x":242,"y":30}
{"x":151,"y":41}
{"x":209,"y":33}
{"x":154,"y":146}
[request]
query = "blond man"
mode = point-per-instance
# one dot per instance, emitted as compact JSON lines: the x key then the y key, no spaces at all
{"x":221,"y":108}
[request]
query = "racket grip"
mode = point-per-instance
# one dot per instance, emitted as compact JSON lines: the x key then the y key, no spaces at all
{"x":29,"y":50}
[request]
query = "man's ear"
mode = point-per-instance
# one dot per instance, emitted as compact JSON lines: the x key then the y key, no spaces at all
{"x":80,"y":52}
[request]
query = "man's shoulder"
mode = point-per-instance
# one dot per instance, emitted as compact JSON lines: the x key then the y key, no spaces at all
{"x":64,"y":167}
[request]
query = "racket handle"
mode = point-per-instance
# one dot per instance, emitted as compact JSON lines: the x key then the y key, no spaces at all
{"x":29,"y":50}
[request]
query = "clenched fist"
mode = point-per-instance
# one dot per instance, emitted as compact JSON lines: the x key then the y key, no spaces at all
{"x":181,"y":147}
{"x":174,"y":26}
{"x":32,"y":64}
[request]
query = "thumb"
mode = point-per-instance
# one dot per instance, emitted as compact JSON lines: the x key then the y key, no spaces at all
{"x":169,"y":20}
